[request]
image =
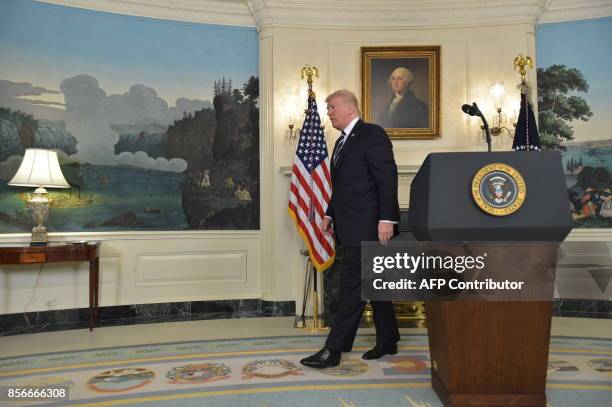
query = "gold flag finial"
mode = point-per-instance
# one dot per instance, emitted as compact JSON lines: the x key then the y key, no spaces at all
{"x":310,"y":71}
{"x":521,"y":62}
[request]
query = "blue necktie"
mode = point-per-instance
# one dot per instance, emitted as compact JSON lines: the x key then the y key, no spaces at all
{"x":340,"y":144}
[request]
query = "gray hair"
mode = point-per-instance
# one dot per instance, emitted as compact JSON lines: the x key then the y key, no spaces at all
{"x":406,"y":73}
{"x":348,"y":97}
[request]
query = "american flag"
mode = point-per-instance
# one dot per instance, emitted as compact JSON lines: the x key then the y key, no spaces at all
{"x":526,"y":137}
{"x":311,"y":189}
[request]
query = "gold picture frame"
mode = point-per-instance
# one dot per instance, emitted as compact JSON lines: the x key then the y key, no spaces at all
{"x":400,"y":90}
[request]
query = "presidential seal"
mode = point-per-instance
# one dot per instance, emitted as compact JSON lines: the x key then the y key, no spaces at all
{"x":270,"y":369}
{"x":117,"y":380}
{"x":348,"y":367}
{"x":498,"y":189}
{"x":198,"y":373}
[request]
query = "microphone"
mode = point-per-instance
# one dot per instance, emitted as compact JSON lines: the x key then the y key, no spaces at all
{"x":473,"y":110}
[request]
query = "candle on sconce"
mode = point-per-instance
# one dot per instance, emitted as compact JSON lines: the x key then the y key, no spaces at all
{"x":498,"y":92}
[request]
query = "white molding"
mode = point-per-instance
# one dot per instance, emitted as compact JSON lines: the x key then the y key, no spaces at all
{"x":267,"y":215}
{"x":406,"y":174}
{"x":402,"y":170}
{"x":572,"y":10}
{"x":407,"y":170}
{"x":393,"y":14}
{"x":590,"y":235}
{"x":24,"y":238}
{"x":228,"y":12}
{"x":196,"y":268}
{"x":348,"y":14}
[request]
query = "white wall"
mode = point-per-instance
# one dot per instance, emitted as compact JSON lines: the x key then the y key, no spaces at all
{"x":479,"y":44}
{"x":471,"y":59}
{"x":139,"y":268}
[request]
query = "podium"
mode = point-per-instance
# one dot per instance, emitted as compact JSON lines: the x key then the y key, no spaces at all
{"x":486,"y":353}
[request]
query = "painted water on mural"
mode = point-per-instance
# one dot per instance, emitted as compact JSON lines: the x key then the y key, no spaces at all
{"x":102,"y":206}
{"x":101,"y":96}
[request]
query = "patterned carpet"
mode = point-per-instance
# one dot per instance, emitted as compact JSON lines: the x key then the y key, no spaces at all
{"x":265,"y":372}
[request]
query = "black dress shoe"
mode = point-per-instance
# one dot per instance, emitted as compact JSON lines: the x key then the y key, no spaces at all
{"x":379,"y":351}
{"x":324,"y":358}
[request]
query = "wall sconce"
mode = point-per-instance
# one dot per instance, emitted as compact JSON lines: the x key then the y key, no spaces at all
{"x":296,"y":116}
{"x":324,"y":123}
{"x":295,"y":121}
{"x":39,"y":169}
{"x":293,"y":112}
{"x":498,"y":120}
{"x":498,"y":128}
{"x":293,"y":131}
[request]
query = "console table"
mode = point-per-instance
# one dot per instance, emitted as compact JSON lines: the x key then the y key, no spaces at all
{"x":58,"y":253}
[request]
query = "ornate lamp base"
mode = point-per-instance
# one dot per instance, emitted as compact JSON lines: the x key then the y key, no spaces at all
{"x":39,"y":236}
{"x":40,"y":204}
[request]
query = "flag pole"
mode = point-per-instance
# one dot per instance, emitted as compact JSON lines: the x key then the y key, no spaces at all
{"x":300,"y":322}
{"x":317,"y":324}
{"x":310,"y":280}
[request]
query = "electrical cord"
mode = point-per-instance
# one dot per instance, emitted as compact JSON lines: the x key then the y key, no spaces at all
{"x":25,"y":310}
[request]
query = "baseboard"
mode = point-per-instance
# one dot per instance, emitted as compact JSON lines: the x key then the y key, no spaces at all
{"x":582,"y":308}
{"x":78,"y":318}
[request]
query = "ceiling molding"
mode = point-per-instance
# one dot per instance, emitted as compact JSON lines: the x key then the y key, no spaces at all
{"x":226,"y":12}
{"x":394,"y":14}
{"x":571,"y":10}
{"x":354,"y":14}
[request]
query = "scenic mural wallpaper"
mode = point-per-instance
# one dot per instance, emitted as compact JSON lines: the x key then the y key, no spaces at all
{"x":575,"y":112}
{"x":156,"y":122}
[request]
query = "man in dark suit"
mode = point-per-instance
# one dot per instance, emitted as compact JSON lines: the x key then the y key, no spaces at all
{"x":404,"y":109}
{"x":363,"y":207}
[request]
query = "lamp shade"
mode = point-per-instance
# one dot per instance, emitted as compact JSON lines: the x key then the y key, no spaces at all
{"x":39,"y":168}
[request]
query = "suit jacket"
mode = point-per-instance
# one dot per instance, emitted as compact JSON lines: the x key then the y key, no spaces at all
{"x":409,"y":113}
{"x":364,"y":185}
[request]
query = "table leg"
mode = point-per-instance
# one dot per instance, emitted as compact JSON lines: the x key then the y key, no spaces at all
{"x":92,"y":280}
{"x":97,"y":290}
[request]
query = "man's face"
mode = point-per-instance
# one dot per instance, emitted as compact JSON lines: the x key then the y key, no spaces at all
{"x":398,"y":81}
{"x":340,"y":113}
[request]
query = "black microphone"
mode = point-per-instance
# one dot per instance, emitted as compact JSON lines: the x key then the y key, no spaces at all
{"x":473,"y":110}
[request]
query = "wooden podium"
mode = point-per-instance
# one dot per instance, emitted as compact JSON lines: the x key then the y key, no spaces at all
{"x":489,"y":354}
{"x":486,"y":353}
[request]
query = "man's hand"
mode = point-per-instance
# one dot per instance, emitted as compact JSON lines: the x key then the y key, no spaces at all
{"x":385,"y":232}
{"x":326,"y":225}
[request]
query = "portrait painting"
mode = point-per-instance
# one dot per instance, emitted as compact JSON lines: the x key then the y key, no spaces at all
{"x":401,"y":90}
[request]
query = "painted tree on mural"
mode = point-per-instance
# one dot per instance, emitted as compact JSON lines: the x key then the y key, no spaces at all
{"x":558,"y":106}
{"x":593,"y":177}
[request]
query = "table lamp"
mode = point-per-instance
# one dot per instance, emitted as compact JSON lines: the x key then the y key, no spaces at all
{"x":39,"y":168}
